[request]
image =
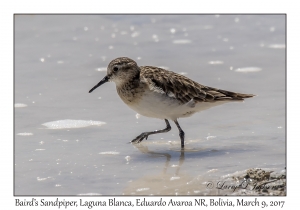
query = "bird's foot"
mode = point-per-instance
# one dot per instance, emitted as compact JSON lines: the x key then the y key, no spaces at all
{"x":140,"y":137}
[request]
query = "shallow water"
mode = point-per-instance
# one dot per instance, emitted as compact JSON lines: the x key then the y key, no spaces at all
{"x":59,"y":58}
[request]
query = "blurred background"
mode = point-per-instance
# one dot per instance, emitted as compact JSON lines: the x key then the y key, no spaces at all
{"x":70,"y":142}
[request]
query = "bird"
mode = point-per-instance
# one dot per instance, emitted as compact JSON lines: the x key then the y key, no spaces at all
{"x":159,"y":93}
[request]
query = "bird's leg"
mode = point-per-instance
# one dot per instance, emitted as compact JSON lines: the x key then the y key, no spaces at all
{"x":145,"y":135}
{"x":181,"y":133}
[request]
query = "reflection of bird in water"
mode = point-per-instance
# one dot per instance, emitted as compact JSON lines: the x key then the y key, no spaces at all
{"x":144,"y":149}
{"x":161,"y":184}
{"x":167,"y":183}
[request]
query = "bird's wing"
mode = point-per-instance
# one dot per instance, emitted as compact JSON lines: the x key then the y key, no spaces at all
{"x":184,"y":89}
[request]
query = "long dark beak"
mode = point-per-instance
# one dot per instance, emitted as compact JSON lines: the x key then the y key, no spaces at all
{"x":104,"y":80}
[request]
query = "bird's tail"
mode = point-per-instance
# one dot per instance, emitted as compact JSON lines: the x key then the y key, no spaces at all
{"x":236,"y":96}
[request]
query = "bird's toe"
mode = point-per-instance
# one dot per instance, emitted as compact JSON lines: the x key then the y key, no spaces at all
{"x":140,"y":138}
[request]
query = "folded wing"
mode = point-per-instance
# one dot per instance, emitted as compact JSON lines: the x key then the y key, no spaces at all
{"x":184,"y":89}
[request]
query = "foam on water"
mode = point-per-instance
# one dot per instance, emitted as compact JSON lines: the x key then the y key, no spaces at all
{"x":142,"y":189}
{"x":248,"y":69}
{"x":277,"y":46}
{"x":182,"y":41}
{"x":63,"y":124}
{"x":210,"y":137}
{"x":109,"y":153}
{"x":41,"y":179}
{"x":215,"y":62}
{"x":25,"y":134}
{"x":174,"y":178}
{"x":101,"y":69}
{"x":20,"y":105}
{"x":127,"y":158}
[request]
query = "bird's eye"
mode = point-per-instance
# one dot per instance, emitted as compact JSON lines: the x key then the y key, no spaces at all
{"x":116,"y":68}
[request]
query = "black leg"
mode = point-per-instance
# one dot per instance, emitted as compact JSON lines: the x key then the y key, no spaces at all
{"x":145,"y":135}
{"x":181,"y":133}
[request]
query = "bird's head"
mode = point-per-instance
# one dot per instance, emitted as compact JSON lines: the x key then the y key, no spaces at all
{"x":120,"y":71}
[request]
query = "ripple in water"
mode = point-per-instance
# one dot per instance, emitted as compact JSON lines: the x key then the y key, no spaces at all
{"x":63,"y":124}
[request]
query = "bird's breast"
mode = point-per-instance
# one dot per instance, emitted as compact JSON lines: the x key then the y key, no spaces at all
{"x":129,"y":94}
{"x":156,"y":105}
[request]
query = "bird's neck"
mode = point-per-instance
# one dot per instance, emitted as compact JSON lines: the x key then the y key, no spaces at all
{"x":130,"y":82}
{"x":130,"y":89}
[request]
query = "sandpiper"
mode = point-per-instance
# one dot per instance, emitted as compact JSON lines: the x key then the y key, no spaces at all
{"x":159,"y":93}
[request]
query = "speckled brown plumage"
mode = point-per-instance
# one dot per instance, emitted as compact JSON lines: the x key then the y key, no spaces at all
{"x":185,"y":89}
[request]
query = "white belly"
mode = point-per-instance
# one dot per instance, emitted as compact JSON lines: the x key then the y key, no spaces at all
{"x":157,"y":105}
